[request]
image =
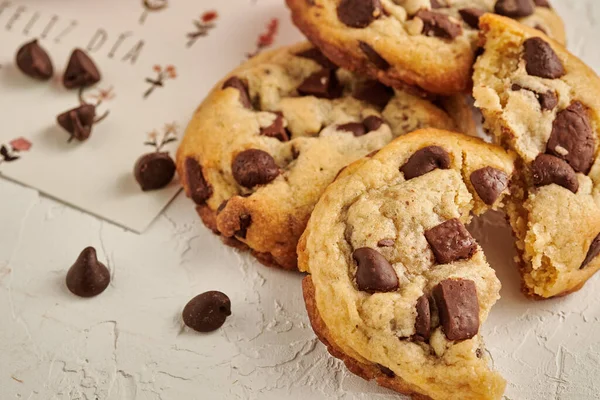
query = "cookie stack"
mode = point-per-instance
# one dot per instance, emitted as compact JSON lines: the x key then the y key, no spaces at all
{"x":341,"y":158}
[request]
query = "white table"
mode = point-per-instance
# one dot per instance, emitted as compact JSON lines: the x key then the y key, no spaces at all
{"x":128,"y":343}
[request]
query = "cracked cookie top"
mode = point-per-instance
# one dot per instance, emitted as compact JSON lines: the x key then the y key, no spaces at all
{"x":271,"y":136}
{"x":399,"y":281}
{"x":425,"y":44}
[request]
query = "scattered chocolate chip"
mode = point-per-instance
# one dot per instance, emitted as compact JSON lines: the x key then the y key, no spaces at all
{"x":88,"y":277}
{"x":242,"y":87}
{"x":254,"y":167}
{"x":245,"y":222}
{"x":489,"y":183}
{"x":374,"y":92}
{"x":423,"y":321}
{"x":33,"y":61}
{"x":358,"y":13}
{"x":437,"y":4}
{"x":386,"y":371}
{"x":372,"y":123}
{"x":81,"y":71}
{"x":374,"y":273}
{"x":592,"y":253}
{"x":547,"y":169}
{"x":516,"y":87}
{"x":199,"y":189}
{"x":479,"y":352}
{"x":356,"y":128}
{"x":373,"y":56}
{"x":548,"y":100}
{"x":386,"y":243}
{"x":458,"y":307}
{"x":450,"y":241}
{"x":572,"y":138}
{"x":322,"y":84}
{"x":440,"y":25}
{"x":425,"y":160}
{"x":317,"y":56}
{"x":154,"y":170}
{"x":542,"y":3}
{"x":471,"y":16}
{"x":276,"y":129}
{"x":207,"y":312}
{"x":541,"y":60}
{"x":78,"y":121}
{"x":514,"y":8}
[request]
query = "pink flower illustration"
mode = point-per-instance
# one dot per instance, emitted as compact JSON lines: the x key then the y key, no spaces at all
{"x":203,"y":26}
{"x":20,"y":144}
{"x":162,"y":75}
{"x":267,"y":38}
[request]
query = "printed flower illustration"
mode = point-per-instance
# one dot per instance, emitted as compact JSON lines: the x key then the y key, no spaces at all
{"x":11,"y":152}
{"x":267,"y":38}
{"x":101,"y":95}
{"x":169,"y":134}
{"x":203,"y":26}
{"x":162,"y":75}
{"x":152,"y":6}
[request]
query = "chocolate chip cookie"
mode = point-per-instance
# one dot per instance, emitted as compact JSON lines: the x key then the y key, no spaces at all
{"x":398,"y":287}
{"x":542,"y":102}
{"x":426,"y":44}
{"x":267,"y":141}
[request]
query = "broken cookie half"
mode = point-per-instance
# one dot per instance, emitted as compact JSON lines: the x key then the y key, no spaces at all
{"x":542,"y":102}
{"x":398,"y":288}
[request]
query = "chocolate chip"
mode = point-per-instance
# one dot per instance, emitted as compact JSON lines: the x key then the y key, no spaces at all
{"x":245,"y":222}
{"x":386,"y":371}
{"x":33,"y":61}
{"x":572,"y":138}
{"x":81,"y":71}
{"x":471,"y":16}
{"x":542,"y":3}
{"x":547,"y":169}
{"x":592,"y":253}
{"x":514,"y":8}
{"x":450,"y":241}
{"x":254,"y":167}
{"x":437,"y":4}
{"x":489,"y":183}
{"x":276,"y":129}
{"x":374,"y":273}
{"x":374,"y":92}
{"x":222,"y":206}
{"x":541,"y":60}
{"x":207,"y":312}
{"x":548,"y":100}
{"x":373,"y":56}
{"x":423,"y":321}
{"x":322,"y":84}
{"x":88,"y":277}
{"x":356,"y":128}
{"x":199,"y":189}
{"x":372,"y":123}
{"x":425,"y":160}
{"x":358,"y":13}
{"x":458,"y":307}
{"x":440,"y":25}
{"x":386,"y":243}
{"x":78,"y":121}
{"x":242,"y":87}
{"x":154,"y":170}
{"x":317,"y":56}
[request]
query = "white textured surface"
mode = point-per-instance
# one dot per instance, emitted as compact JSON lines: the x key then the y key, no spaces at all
{"x":128,"y":343}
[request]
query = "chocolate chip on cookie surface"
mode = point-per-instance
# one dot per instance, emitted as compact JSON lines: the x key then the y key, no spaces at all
{"x":423,"y":44}
{"x":268,"y":140}
{"x":412,"y":306}
{"x":537,"y":101}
